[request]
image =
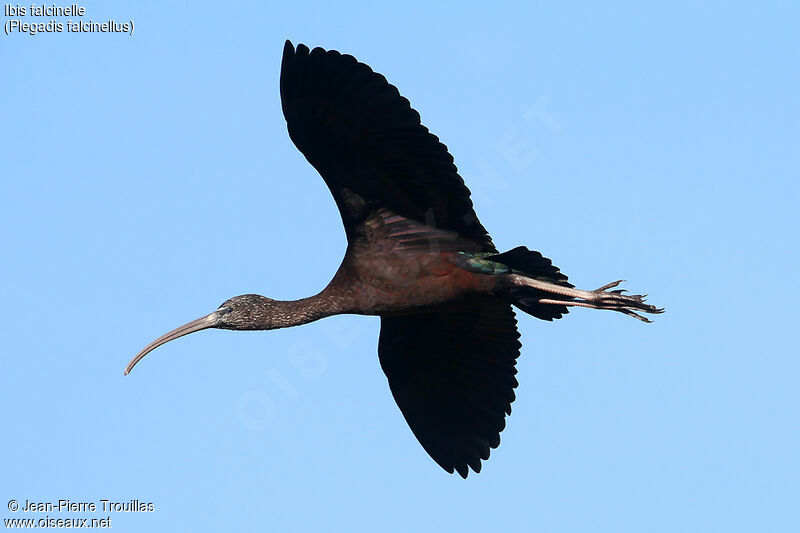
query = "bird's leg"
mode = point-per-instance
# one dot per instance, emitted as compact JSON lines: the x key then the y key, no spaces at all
{"x":600,"y":298}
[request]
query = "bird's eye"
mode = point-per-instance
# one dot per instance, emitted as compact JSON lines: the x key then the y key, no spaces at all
{"x":225,"y":309}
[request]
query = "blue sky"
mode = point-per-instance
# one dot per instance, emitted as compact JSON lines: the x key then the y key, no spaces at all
{"x":147,"y":178}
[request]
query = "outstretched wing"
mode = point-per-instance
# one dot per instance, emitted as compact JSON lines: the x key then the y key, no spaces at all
{"x":369,"y":145}
{"x":452,"y":374}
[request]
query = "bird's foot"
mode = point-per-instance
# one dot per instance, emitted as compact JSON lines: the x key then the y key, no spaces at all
{"x":603,"y":298}
{"x":615,"y":300}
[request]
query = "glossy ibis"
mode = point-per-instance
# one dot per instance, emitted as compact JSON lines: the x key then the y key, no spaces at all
{"x":417,"y":256}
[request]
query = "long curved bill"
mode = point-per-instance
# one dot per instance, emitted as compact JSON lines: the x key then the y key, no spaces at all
{"x":208,"y":321}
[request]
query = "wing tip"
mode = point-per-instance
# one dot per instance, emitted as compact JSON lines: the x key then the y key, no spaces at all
{"x":288,"y":49}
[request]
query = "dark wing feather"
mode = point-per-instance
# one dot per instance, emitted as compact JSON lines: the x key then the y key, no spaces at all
{"x":452,"y":375}
{"x":369,"y":146}
{"x":387,"y":230}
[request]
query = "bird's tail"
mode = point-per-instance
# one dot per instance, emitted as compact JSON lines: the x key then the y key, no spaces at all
{"x":534,"y":265}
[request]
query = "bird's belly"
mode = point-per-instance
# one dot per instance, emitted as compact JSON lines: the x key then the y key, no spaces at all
{"x":402,"y":283}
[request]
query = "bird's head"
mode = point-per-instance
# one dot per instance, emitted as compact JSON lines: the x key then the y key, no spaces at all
{"x":248,"y":311}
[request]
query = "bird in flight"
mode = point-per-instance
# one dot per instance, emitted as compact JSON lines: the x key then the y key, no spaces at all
{"x":416,"y":256}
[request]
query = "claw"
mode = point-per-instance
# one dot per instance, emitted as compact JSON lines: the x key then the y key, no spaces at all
{"x":609,"y":285}
{"x":635,"y":315}
{"x":616,"y":300}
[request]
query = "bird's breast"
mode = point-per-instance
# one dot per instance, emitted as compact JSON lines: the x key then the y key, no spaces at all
{"x":398,"y":282}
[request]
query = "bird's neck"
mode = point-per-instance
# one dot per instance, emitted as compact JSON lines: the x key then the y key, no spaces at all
{"x":298,"y":312}
{"x":263,"y":313}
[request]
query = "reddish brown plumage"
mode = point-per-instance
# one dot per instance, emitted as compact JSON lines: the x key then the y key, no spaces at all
{"x":402,"y":281}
